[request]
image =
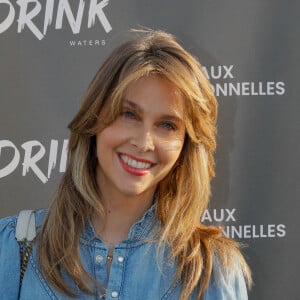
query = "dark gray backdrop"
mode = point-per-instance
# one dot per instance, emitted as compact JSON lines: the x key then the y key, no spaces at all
{"x":250,"y":50}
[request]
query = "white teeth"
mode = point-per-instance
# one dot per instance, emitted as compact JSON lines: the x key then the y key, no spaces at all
{"x":134,"y":163}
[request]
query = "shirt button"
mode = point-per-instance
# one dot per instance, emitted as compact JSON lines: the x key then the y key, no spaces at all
{"x":114,"y":294}
{"x":120,"y":259}
{"x":99,"y":258}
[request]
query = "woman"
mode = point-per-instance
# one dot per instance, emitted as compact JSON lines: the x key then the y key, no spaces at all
{"x":125,"y":223}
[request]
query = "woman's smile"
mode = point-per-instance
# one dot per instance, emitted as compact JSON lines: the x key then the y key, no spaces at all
{"x":135,"y":166}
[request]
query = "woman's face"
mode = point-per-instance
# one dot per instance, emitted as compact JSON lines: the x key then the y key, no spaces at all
{"x":141,"y":146}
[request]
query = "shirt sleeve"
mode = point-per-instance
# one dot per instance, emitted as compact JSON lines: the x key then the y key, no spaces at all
{"x":227,"y":286}
{"x":9,"y":260}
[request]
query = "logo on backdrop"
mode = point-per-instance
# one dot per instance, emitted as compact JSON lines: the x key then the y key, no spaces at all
{"x":227,"y":217}
{"x":54,"y":12}
{"x":222,"y":78}
{"x":30,"y":155}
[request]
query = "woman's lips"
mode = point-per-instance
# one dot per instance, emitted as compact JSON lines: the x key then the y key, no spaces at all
{"x":135,"y":166}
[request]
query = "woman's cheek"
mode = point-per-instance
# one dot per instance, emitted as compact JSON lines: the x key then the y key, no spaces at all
{"x":172,"y":143}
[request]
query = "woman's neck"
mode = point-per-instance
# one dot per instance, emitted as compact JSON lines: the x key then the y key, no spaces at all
{"x":122,"y":212}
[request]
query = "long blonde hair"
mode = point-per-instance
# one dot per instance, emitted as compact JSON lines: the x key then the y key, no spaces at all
{"x":183,"y":194}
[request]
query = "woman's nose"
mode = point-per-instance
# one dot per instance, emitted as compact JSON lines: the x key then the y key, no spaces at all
{"x":143,"y":140}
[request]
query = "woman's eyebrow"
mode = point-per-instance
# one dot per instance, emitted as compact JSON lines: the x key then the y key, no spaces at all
{"x":172,"y":118}
{"x":133,"y":105}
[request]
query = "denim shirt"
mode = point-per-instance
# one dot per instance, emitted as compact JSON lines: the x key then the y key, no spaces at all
{"x":137,"y":270}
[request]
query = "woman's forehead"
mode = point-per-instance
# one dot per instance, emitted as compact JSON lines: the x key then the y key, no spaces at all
{"x":156,"y":89}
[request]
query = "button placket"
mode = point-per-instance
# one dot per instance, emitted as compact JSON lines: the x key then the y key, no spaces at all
{"x":116,"y":274}
{"x":100,"y":266}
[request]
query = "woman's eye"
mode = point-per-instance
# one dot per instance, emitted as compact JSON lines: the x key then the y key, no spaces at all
{"x":128,"y":114}
{"x":168,"y":126}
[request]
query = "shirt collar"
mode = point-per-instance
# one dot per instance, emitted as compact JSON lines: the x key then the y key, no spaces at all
{"x":138,"y":232}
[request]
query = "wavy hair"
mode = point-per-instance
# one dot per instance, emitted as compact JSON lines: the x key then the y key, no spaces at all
{"x":183,"y":194}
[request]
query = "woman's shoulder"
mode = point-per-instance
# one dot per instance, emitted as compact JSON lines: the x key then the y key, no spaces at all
{"x":10,"y":255}
{"x":9,"y":246}
{"x":227,"y":283}
{"x":8,"y":225}
{"x":230,"y":272}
